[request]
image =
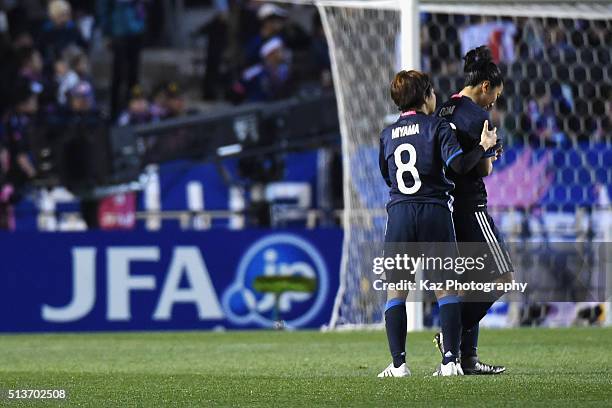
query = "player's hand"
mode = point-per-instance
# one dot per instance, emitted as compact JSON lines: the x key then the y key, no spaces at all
{"x":488,"y":138}
{"x":498,"y":152}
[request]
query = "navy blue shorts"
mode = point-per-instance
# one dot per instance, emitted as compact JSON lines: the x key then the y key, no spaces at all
{"x":478,"y":226}
{"x":410,"y":224}
{"x":419,"y":222}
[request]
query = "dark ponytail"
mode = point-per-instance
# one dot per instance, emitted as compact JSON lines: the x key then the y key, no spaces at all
{"x":479,"y":66}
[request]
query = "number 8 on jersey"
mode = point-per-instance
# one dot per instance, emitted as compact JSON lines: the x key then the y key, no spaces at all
{"x":409,"y":167}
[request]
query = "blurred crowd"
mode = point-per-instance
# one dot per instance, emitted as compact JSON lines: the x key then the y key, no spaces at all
{"x":45,"y":75}
{"x":43,"y":70}
{"x":254,"y":53}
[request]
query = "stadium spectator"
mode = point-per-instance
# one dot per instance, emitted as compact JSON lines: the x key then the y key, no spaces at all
{"x":123,"y":22}
{"x":168,"y":101}
{"x":544,"y":122}
{"x":7,"y":73}
{"x":81,"y":117}
{"x":65,"y":80}
{"x":216,"y":31}
{"x":270,"y":80}
{"x":319,"y":53}
{"x":138,"y":110}
{"x":30,"y":67}
{"x":7,"y":221}
{"x":59,"y":32}
{"x":82,"y":99}
{"x":30,"y":64}
{"x":234,"y":25}
{"x":217,"y":43}
{"x":272,"y":21}
{"x":84,"y":17}
{"x":23,"y":39}
{"x":20,"y":167}
{"x":557,"y":46}
{"x":25,"y":17}
{"x":175,"y":101}
{"x":79,"y":63}
{"x":158,"y":102}
{"x":6,"y":189}
{"x":79,"y":109}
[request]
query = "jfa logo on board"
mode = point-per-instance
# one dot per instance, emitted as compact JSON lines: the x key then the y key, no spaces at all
{"x":276,"y":255}
{"x":121,"y":283}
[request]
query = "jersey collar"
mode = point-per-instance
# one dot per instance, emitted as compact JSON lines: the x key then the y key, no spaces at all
{"x":410,"y":113}
{"x":468,"y":99}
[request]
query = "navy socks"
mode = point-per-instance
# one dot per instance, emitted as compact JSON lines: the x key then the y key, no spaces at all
{"x":396,"y":325}
{"x":450,"y":322}
{"x":454,"y":316}
{"x":469,"y":342}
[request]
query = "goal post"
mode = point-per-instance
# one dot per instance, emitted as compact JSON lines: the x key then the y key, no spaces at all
{"x":410,"y":56}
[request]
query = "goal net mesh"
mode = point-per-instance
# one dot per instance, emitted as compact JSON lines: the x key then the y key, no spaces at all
{"x":554,"y":117}
{"x":364,"y":51}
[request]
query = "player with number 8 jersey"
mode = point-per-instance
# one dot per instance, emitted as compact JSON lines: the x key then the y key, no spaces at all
{"x":415,"y":152}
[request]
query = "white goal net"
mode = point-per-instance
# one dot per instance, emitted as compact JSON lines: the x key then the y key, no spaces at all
{"x":361,"y":81}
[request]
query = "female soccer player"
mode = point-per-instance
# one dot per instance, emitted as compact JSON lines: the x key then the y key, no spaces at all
{"x":415,"y":151}
{"x":468,"y":110}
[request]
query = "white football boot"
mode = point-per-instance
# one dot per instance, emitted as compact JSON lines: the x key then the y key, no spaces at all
{"x":391,"y":371}
{"x":449,"y":369}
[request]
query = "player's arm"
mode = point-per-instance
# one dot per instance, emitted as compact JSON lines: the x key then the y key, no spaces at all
{"x":484,"y":167}
{"x":383,"y":165}
{"x":462,"y":162}
{"x":475,"y":133}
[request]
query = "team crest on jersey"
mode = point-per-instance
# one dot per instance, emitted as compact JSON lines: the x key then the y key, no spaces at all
{"x":407,"y":130}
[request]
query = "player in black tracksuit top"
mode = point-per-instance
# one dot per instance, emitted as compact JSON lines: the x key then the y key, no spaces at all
{"x":467,"y":111}
{"x":415,"y":153}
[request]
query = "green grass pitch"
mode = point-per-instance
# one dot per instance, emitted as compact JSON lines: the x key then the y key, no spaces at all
{"x":560,"y":368}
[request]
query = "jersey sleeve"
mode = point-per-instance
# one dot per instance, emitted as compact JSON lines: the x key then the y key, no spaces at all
{"x":449,"y":145}
{"x":382,"y":163}
{"x":476,"y":130}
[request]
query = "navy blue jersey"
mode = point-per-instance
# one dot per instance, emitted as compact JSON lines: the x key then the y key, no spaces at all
{"x":468,"y":118}
{"x":414,"y":152}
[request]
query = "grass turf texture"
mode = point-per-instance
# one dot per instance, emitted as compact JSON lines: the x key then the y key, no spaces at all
{"x":560,"y":367}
